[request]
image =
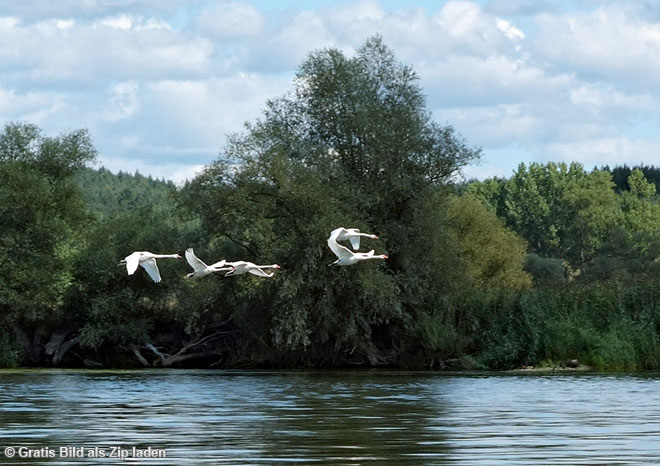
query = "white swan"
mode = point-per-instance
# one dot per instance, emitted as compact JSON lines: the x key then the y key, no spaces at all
{"x":148,"y":262}
{"x":241,"y":267}
{"x":352,"y":234}
{"x":347,"y":257}
{"x":200,"y":269}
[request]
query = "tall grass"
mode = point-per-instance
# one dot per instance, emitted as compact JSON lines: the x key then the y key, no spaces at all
{"x":607,"y":326}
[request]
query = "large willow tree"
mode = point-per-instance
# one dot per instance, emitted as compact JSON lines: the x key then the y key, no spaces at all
{"x":351,"y":145}
{"x":41,"y":213}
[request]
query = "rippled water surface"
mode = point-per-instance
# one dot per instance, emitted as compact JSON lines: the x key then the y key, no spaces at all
{"x":220,"y":417}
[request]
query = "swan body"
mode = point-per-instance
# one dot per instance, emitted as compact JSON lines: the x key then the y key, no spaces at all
{"x":351,"y":234}
{"x":347,"y":257}
{"x":241,"y":267}
{"x":147,"y":260}
{"x":200,"y":269}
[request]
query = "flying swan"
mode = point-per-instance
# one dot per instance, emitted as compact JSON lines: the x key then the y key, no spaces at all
{"x":200,"y":269}
{"x":241,"y":267}
{"x":148,"y":262}
{"x":347,"y":257}
{"x":352,"y":234}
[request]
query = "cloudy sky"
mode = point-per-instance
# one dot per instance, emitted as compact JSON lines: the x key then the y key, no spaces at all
{"x":159,"y":84}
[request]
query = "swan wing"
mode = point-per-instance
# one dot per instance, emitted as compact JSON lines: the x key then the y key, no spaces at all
{"x":259,"y":272}
{"x":132,"y":262}
{"x":152,"y":269}
{"x":194,"y":261}
{"x":342,"y":252}
{"x":336,"y":233}
{"x":240,"y":267}
{"x":355,"y":242}
{"x":218,"y":265}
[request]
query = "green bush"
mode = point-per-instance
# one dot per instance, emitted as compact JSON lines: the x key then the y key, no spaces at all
{"x":545,"y":270}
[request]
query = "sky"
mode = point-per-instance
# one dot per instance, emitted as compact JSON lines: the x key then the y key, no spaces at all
{"x":160,"y":84}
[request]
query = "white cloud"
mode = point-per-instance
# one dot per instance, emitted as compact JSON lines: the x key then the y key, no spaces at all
{"x":36,"y":10}
{"x":509,"y":29}
{"x":27,"y":106}
{"x":123,"y":102}
{"x":64,"y":24}
{"x":213,"y":107}
{"x":231,"y":20}
{"x":305,"y":33}
{"x":604,"y":151}
{"x":499,"y":79}
{"x":522,"y":7}
{"x":598,"y":97}
{"x":117,"y":48}
{"x":471,"y":30}
{"x":357,"y":12}
{"x":495,"y":126}
{"x":123,"y":22}
{"x":8,"y":22}
{"x":612,"y":42}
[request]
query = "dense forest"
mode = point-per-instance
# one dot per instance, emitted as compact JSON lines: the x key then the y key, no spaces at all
{"x":554,"y":263}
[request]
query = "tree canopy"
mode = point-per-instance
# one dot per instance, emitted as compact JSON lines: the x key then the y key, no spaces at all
{"x":42,"y":215}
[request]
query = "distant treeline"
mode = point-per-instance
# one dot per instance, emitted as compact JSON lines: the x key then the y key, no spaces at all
{"x":621,"y":173}
{"x":107,"y":194}
{"x":555,"y":263}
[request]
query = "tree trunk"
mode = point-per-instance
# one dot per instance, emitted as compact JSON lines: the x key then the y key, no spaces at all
{"x":154,"y":350}
{"x":136,"y":352}
{"x":57,"y":346}
{"x":63,"y":348}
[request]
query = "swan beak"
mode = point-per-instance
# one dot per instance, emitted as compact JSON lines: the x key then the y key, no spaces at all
{"x":386,"y":257}
{"x":277,"y":266}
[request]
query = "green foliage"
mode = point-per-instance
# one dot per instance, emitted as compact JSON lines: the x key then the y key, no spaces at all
{"x":622,"y":256}
{"x":534,"y":200}
{"x":42,"y":215}
{"x":440,"y":338}
{"x":621,"y":173}
{"x":640,"y":212}
{"x":108,"y":195}
{"x":492,"y":256}
{"x":566,"y":213}
{"x":591,"y":211}
{"x":631,"y":248}
{"x":604,"y":326}
{"x":545,"y":270}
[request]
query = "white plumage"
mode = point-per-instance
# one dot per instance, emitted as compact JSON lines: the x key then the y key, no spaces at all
{"x":200,"y":269}
{"x":344,"y":255}
{"x":147,"y":260}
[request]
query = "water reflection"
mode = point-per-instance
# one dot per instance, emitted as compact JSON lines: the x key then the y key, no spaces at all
{"x":226,"y":417}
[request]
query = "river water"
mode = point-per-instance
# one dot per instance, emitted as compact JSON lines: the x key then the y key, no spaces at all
{"x":369,"y":417}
